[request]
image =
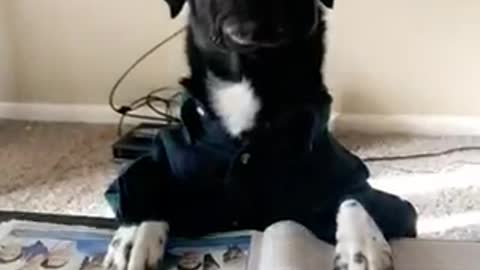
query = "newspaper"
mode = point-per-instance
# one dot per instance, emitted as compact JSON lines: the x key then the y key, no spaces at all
{"x":283,"y":246}
{"x":32,"y":245}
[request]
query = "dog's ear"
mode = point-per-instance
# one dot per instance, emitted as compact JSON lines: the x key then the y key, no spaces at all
{"x":328,"y":3}
{"x":175,"y":7}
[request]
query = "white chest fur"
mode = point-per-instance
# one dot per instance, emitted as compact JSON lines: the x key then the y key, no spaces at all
{"x":235,"y":103}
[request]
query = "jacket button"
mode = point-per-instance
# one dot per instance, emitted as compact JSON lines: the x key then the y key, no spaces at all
{"x":200,"y":111}
{"x":244,"y":158}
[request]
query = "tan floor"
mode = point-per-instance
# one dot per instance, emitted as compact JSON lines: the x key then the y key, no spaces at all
{"x":65,"y":168}
{"x":61,"y":168}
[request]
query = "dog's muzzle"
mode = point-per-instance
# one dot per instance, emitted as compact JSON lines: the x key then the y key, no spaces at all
{"x":235,"y":33}
{"x":248,"y":34}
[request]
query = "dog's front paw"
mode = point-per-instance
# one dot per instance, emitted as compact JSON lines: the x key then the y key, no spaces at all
{"x":360,"y":243}
{"x":137,"y":247}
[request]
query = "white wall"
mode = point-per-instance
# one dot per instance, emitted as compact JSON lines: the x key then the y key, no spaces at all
{"x":72,"y":51}
{"x":388,"y":56}
{"x":7,"y":73}
{"x":406,"y":56}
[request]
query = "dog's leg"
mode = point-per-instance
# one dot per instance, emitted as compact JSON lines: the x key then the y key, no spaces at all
{"x":360,"y":243}
{"x":137,"y":247}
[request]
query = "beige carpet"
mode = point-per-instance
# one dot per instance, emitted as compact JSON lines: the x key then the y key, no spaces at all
{"x":60,"y":168}
{"x":65,"y":168}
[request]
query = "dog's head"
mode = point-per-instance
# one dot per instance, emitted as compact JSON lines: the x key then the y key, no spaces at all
{"x":237,"y":24}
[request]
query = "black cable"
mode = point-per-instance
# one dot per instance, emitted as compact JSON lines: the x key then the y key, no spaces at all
{"x":423,"y":155}
{"x":135,"y":64}
{"x":120,"y":125}
{"x":150,"y":99}
{"x":134,"y":105}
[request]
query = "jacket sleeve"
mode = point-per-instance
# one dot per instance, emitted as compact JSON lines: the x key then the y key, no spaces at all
{"x":140,"y":192}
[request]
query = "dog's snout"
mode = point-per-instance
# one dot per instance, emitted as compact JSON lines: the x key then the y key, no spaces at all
{"x":250,"y":33}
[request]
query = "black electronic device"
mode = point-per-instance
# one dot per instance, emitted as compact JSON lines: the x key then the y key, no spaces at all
{"x":136,"y":142}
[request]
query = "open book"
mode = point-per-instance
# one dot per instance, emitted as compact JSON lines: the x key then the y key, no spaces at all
{"x":283,"y":246}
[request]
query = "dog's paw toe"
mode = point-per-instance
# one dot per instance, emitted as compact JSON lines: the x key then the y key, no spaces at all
{"x":360,"y":243}
{"x":120,"y":248}
{"x":137,"y":247}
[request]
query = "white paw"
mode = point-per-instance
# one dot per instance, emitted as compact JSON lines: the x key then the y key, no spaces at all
{"x":360,"y":243}
{"x":137,"y":247}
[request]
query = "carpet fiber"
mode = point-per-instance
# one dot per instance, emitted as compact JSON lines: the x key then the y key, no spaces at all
{"x":64,"y":168}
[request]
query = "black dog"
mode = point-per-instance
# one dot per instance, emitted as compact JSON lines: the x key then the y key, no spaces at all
{"x":254,"y":147}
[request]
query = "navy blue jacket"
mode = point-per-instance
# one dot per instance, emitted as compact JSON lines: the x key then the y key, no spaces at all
{"x":201,"y":180}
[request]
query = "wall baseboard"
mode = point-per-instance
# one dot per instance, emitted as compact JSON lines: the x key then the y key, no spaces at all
{"x":414,"y":124}
{"x":58,"y":112}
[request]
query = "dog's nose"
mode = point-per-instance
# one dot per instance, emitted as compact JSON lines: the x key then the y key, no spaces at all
{"x":241,"y":33}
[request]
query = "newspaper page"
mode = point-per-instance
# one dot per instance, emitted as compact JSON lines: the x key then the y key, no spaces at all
{"x":425,"y":254}
{"x":290,"y":246}
{"x":32,"y":245}
{"x":220,"y":252}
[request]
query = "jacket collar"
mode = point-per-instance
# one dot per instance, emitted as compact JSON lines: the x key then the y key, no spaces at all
{"x":300,"y":127}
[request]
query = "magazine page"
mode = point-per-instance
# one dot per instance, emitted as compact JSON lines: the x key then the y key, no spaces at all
{"x":423,"y":254}
{"x":216,"y":252}
{"x":255,"y":251}
{"x":32,"y":245}
{"x":289,"y":246}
